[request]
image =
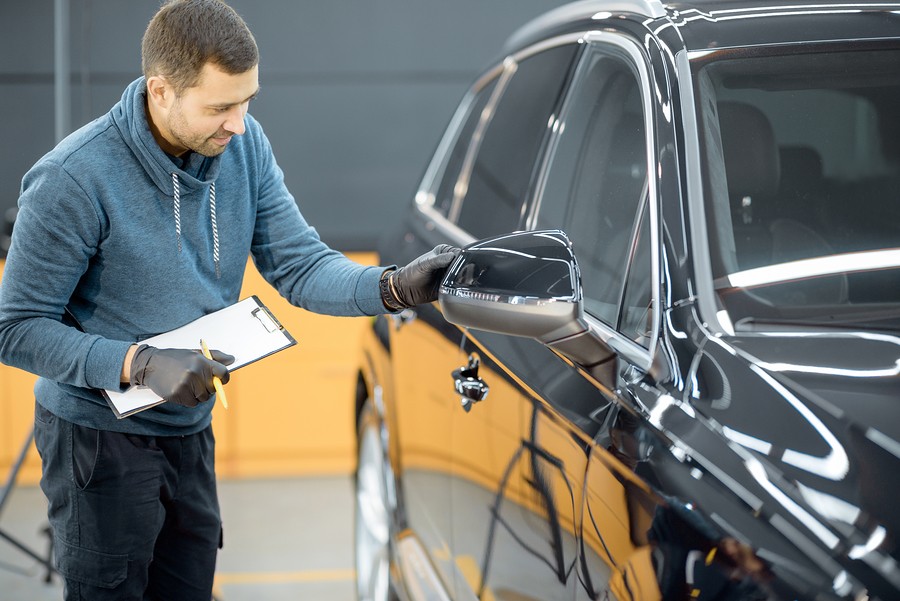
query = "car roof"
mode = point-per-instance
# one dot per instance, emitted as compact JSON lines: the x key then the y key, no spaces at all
{"x":706,"y":24}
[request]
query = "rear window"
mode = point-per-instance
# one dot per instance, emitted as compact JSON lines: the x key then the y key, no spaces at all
{"x":494,"y":190}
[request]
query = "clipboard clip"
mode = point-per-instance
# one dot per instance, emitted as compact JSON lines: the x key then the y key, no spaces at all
{"x":269,"y":322}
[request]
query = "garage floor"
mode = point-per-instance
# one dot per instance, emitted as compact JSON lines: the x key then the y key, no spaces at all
{"x":284,"y":539}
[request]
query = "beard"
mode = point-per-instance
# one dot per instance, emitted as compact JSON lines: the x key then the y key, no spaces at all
{"x":192,"y":140}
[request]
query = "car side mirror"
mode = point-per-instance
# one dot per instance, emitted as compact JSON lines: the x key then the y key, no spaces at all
{"x":522,"y":284}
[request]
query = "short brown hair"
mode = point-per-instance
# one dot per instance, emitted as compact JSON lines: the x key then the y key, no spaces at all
{"x":185,"y":35}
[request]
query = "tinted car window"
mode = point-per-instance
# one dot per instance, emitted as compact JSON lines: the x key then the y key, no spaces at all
{"x":596,"y":176}
{"x":635,"y":320}
{"x":501,"y":173}
{"x":455,"y":159}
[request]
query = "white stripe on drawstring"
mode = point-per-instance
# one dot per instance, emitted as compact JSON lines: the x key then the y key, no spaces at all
{"x":176,"y":196}
{"x":215,"y":227}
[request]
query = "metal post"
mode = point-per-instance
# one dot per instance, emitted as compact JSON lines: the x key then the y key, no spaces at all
{"x":14,"y":471}
{"x":61,"y":69}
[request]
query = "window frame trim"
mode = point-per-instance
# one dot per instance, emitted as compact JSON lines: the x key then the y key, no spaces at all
{"x":502,"y":72}
{"x":461,"y":187}
{"x":425,"y":193}
{"x":634,"y":352}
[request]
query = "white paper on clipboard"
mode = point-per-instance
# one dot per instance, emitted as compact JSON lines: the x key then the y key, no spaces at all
{"x":247,"y":330}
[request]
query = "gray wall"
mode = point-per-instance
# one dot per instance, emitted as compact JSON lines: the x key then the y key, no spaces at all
{"x":354,"y":93}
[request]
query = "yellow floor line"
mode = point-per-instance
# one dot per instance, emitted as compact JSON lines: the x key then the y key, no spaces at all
{"x":226,"y":578}
{"x":471,"y":571}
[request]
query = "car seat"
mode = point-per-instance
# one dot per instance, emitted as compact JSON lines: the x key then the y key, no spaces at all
{"x":765,"y":230}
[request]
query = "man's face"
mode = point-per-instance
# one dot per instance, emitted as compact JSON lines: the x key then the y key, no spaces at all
{"x":203,"y":118}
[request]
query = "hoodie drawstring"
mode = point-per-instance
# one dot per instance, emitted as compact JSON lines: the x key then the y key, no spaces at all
{"x":176,"y":202}
{"x":215,"y":227}
{"x":176,"y":197}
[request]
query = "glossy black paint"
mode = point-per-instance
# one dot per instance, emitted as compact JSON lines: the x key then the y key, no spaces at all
{"x":761,"y":465}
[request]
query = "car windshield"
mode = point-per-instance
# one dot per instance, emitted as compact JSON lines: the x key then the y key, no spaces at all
{"x":801,"y":183}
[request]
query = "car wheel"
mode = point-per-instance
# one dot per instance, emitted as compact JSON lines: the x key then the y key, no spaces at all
{"x":373,"y":517}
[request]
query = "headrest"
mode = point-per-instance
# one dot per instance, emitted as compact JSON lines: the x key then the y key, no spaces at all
{"x":750,"y":151}
{"x":801,"y":163}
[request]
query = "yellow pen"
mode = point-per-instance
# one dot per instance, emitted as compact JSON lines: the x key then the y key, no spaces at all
{"x":220,"y":391}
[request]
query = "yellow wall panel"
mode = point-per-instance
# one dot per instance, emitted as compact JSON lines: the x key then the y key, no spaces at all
{"x":17,"y":388}
{"x":289,"y":414}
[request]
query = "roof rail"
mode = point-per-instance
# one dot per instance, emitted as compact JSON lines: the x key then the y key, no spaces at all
{"x":583,"y":9}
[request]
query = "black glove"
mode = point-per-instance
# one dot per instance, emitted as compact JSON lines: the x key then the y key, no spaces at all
{"x":179,"y":375}
{"x":418,"y":282}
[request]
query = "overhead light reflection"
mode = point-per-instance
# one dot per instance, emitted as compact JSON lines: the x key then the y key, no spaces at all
{"x":835,"y":465}
{"x":884,"y":441}
{"x":747,"y":441}
{"x":715,"y":16}
{"x":797,"y":13}
{"x":758,"y":472}
{"x":695,"y":54}
{"x":424,"y":198}
{"x":829,"y":506}
{"x":549,"y":237}
{"x":507,"y":251}
{"x":656,"y":414}
{"x":796,"y":7}
{"x":841,"y":583}
{"x":666,"y":402}
{"x":817,"y":267}
{"x":865,"y":335}
{"x":725,"y":322}
{"x":875,"y":540}
{"x":834,"y":371}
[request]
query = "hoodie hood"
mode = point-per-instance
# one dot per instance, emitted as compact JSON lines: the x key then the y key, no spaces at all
{"x":132,"y":119}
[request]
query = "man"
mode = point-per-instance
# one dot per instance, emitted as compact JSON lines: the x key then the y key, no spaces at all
{"x":140,"y":222}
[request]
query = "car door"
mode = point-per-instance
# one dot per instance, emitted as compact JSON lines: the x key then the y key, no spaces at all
{"x":596,"y":188}
{"x":424,"y":347}
{"x":564,"y":517}
{"x":475,"y":186}
{"x":500,"y":538}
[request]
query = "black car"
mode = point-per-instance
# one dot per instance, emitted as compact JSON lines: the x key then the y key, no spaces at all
{"x":666,"y":364}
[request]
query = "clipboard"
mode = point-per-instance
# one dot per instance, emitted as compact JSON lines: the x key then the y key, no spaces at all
{"x":247,"y":330}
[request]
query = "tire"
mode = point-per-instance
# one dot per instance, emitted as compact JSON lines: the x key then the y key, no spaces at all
{"x":373,"y":517}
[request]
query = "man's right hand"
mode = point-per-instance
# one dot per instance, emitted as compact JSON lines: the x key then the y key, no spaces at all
{"x":180,"y":376}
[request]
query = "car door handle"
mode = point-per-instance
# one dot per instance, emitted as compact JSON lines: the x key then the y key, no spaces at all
{"x":470,"y":387}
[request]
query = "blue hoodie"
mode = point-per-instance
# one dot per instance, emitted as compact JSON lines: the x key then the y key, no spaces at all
{"x":110,"y":229}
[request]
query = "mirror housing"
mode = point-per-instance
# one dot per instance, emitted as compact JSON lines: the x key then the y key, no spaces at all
{"x":523,"y":284}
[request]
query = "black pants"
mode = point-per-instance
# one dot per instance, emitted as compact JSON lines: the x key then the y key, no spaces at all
{"x":133,"y":517}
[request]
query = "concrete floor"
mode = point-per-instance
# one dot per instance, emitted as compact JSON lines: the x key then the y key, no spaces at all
{"x":284,"y":539}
